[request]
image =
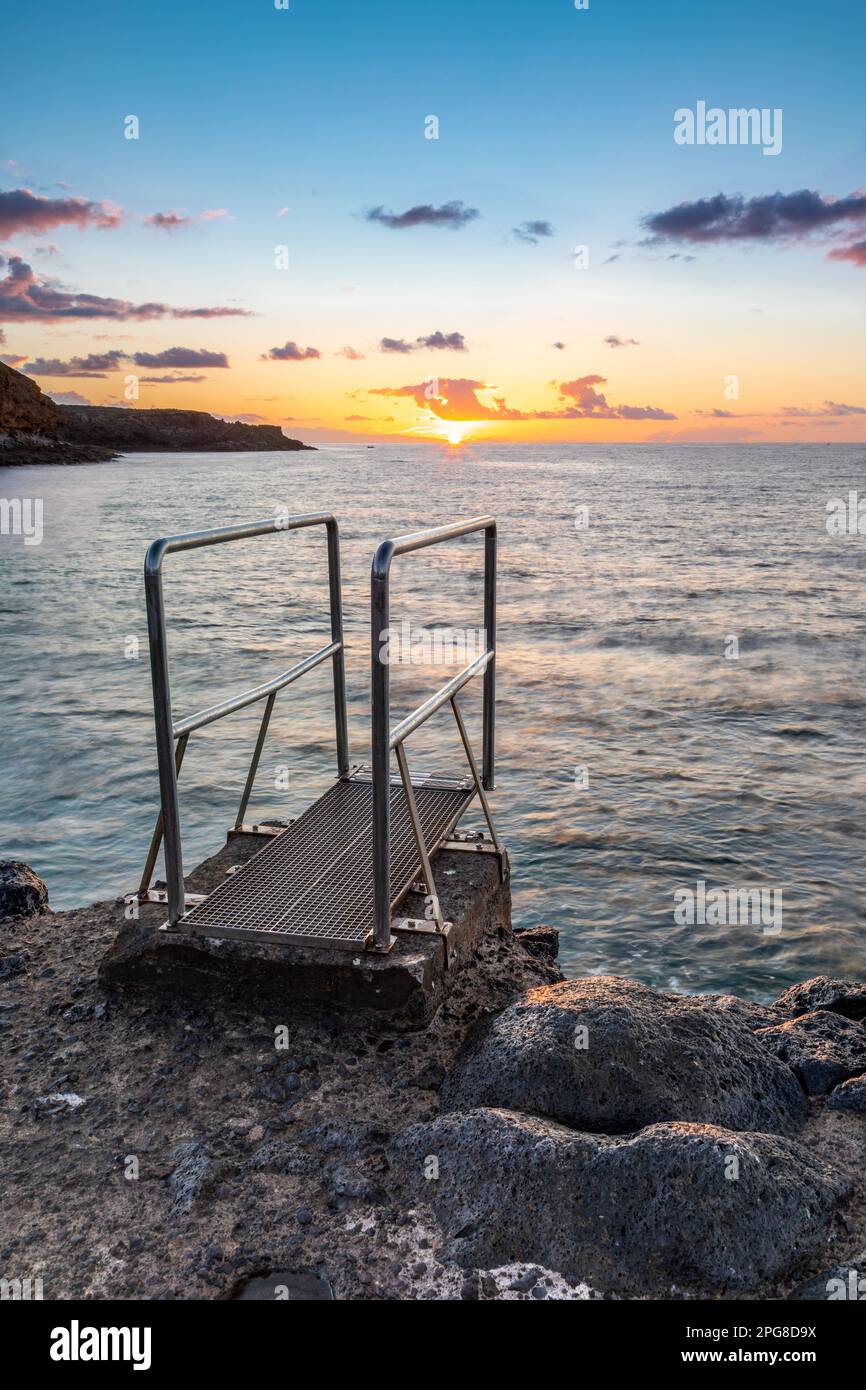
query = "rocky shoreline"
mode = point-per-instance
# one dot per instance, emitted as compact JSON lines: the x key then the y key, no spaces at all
{"x":539,"y":1138}
{"x":35,"y":430}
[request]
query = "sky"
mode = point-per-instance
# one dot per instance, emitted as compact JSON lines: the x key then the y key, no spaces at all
{"x":473,"y":220}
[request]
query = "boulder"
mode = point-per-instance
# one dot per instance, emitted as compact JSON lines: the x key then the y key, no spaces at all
{"x":846,"y":997}
{"x":540,"y":942}
{"x":610,"y":1056}
{"x":822,"y":1049}
{"x":696,"y":1205}
{"x":22,"y":892}
{"x":851,"y":1095}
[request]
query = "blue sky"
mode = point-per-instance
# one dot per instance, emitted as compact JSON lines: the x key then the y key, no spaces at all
{"x":546,"y":113}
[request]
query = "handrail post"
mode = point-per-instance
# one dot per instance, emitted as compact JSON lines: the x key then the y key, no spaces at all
{"x":380,"y":606}
{"x":489,"y":700}
{"x":335,"y":588}
{"x":164,"y":731}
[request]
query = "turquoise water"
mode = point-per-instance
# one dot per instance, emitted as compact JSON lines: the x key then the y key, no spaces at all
{"x":613,"y":656}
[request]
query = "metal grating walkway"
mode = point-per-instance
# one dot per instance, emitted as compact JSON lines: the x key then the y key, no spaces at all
{"x":314,"y":882}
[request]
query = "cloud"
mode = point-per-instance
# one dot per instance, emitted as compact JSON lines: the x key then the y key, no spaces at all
{"x":290,"y":352}
{"x":444,"y":342}
{"x":24,"y":295}
{"x":453,"y":215}
{"x":589,"y":404}
{"x":181,"y":357}
{"x":167,"y":221}
{"x":828,"y":409}
{"x":350,"y":354}
{"x":531,"y":232}
{"x":23,"y":211}
{"x":11,"y":359}
{"x":855,"y":253}
{"x":68,"y":398}
{"x":211,"y":214}
{"x":457,"y":398}
{"x":174,"y":379}
{"x":97,"y":364}
{"x":614,"y":342}
{"x":559,"y":346}
{"x":784,"y":218}
{"x":250,"y":418}
{"x":447,"y":342}
{"x":453,"y":398}
{"x":93,"y":366}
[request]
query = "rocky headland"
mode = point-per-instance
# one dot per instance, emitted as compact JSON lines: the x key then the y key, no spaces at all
{"x":538,"y":1138}
{"x":34,"y":429}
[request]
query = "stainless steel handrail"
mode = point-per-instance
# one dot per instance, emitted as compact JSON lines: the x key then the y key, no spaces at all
{"x":384,"y":740}
{"x":168,"y":824}
{"x":413,"y":721}
{"x":258,"y":692}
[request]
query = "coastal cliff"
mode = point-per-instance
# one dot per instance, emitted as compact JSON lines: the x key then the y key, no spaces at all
{"x":172,"y":431}
{"x":33,"y":429}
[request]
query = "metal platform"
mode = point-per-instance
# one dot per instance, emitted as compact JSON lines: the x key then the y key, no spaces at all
{"x":313,"y":883}
{"x":335,"y":876}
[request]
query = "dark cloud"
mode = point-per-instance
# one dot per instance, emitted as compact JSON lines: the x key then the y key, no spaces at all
{"x":438,"y":341}
{"x":69,"y":398}
{"x":181,"y":357}
{"x":831,"y":409}
{"x":532,"y":232}
{"x":174,"y":379}
{"x":446,"y":342}
{"x":453,"y":215}
{"x":779,"y":217}
{"x":23,"y":211}
{"x":559,"y":346}
{"x":290,"y":352}
{"x":96,"y":364}
{"x":167,"y":221}
{"x":24,"y":295}
{"x":614,"y":342}
{"x":456,"y":398}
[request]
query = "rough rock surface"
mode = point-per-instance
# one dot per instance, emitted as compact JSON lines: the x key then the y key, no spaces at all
{"x":24,"y":408}
{"x":843,"y":1283}
{"x":22,"y":892}
{"x":692,"y":1203}
{"x":610,"y":1056}
{"x":250,"y":1159}
{"x":851,"y":1095}
{"x":271,"y":1164}
{"x":847,"y":997}
{"x":822,"y":1048}
{"x":541,"y":942}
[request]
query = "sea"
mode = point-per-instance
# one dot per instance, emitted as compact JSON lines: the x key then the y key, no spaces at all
{"x":681,"y":669}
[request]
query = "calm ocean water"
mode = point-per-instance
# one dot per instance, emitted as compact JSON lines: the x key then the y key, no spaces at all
{"x":614,"y":656}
